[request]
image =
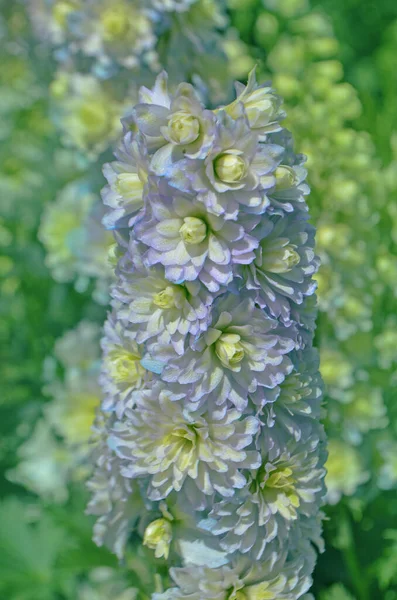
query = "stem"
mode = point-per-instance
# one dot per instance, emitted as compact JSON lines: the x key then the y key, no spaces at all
{"x":357,"y":575}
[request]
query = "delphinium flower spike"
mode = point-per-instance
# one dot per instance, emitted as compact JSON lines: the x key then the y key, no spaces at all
{"x":212,"y":390}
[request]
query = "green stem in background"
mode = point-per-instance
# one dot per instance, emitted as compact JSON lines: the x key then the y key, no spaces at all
{"x":347,"y":546}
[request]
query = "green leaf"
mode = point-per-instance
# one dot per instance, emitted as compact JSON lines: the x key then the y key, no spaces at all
{"x":385,"y":569}
{"x":337,"y":592}
{"x":28,"y":552}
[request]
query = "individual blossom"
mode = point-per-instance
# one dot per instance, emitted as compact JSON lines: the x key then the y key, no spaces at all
{"x":86,"y":113}
{"x":305,"y":315}
{"x":297,"y":402}
{"x":345,"y":470}
{"x":157,"y":311}
{"x":273,"y":579}
{"x":122,"y":370}
{"x":114,"y":33}
{"x":243,"y":352}
{"x":191,"y":243}
{"x":127,"y":177}
{"x":174,"y":126}
{"x":363,"y":410}
{"x":283,"y":267}
{"x":77,"y":246}
{"x":287,"y":486}
{"x":262,"y":106}
{"x":236,"y":173}
{"x":201,"y":453}
{"x":115,"y":500}
{"x":288,"y":193}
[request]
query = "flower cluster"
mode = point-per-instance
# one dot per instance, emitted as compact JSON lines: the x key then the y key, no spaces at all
{"x":56,"y":452}
{"x":211,"y":383}
{"x":77,"y":247}
{"x":110,"y":37}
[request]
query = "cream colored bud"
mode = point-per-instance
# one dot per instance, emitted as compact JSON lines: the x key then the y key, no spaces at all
{"x":165,"y":298}
{"x":158,"y":537}
{"x":115,"y":22}
{"x":193,"y":230}
{"x":229,"y":350}
{"x":280,"y":259}
{"x":183,"y":128}
{"x":124,"y":366}
{"x":230,"y":168}
{"x":261,"y":108}
{"x":285,"y":178}
{"x":129,"y":185}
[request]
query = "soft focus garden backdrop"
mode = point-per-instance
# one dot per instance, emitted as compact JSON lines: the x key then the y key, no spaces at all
{"x":334,"y":63}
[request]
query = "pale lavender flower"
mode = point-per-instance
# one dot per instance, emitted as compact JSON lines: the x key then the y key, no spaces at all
{"x":243,"y":352}
{"x":236,"y":173}
{"x":261,"y":105}
{"x":284,"y":265}
{"x":274,"y":579}
{"x":127,"y":178}
{"x":122,"y":371}
{"x":201,"y":453}
{"x":174,"y":126}
{"x":115,"y":500}
{"x":193,"y":244}
{"x":287,"y":486}
{"x":154,"y":310}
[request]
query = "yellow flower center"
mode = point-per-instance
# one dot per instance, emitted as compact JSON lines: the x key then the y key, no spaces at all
{"x":61,"y":11}
{"x":193,"y":230}
{"x":229,"y":350}
{"x":260,"y":101}
{"x":285,"y":178}
{"x":279,"y":258}
{"x":94,"y":117}
{"x":115,"y":22}
{"x":165,"y":298}
{"x":237,"y":595}
{"x":282,"y":481}
{"x":78,"y":417}
{"x":158,"y":536}
{"x":124,"y":366}
{"x":258,"y":591}
{"x":293,"y":390}
{"x":230,"y":168}
{"x":183,"y":128}
{"x":129,"y":185}
{"x":281,"y":478}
